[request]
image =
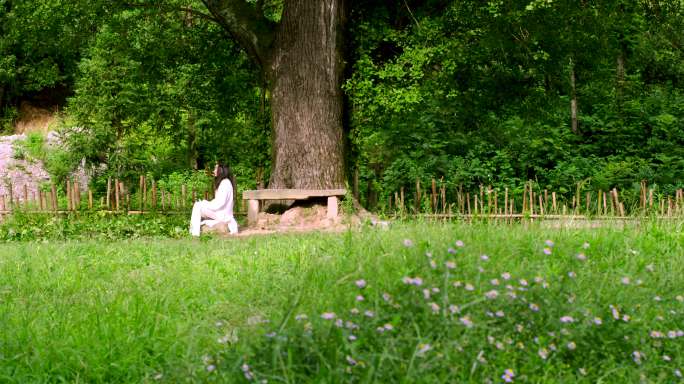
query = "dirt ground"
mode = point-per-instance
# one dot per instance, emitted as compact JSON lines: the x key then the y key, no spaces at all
{"x":299,"y":219}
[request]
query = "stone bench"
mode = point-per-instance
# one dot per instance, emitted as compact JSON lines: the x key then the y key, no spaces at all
{"x":290,"y":194}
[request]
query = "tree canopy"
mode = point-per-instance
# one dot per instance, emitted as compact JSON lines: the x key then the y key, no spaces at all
{"x":493,"y":92}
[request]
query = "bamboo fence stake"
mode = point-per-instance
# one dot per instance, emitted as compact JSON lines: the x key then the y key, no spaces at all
{"x":163,"y":200}
{"x":396,"y":201}
{"x":468,"y":201}
{"x":154,"y":194}
{"x":109,"y":190}
{"x":2,"y":203}
{"x":588,"y":202}
{"x":524,"y":198}
{"x":26,"y":197}
{"x":40,"y":199}
{"x":531,"y":198}
{"x":53,"y":197}
{"x":77,"y":195}
{"x":476,"y":204}
{"x":489,"y":200}
{"x":553,"y":202}
{"x":183,"y":193}
{"x":605,"y":205}
{"x":90,"y":199}
{"x":11,"y":196}
{"x":496,"y":202}
{"x":541,"y":206}
{"x":481,"y":201}
{"x":434,"y":196}
{"x":546,"y":199}
{"x":506,"y":201}
{"x":461,"y":201}
{"x":117,"y":196}
{"x":417,"y":202}
{"x":68,"y":194}
{"x":145,"y":197}
{"x":141,"y":195}
{"x":642,"y":194}
{"x":669,"y":206}
{"x":401,"y":190}
{"x":443,"y":193}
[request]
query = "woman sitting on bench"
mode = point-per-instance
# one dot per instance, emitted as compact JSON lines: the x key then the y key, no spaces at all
{"x":219,"y":210}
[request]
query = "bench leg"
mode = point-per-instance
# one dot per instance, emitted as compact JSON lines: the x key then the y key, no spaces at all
{"x":252,"y":212}
{"x":332,"y":207}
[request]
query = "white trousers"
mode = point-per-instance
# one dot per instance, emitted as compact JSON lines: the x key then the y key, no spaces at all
{"x":200,"y":211}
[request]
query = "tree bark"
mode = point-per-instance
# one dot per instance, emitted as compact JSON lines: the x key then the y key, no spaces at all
{"x":305,"y":77}
{"x":573,"y":101}
{"x":301,"y":60}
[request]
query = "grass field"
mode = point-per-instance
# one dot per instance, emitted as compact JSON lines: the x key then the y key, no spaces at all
{"x":602,"y":305}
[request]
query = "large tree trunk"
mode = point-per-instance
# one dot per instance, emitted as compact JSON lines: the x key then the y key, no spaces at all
{"x":305,"y":77}
{"x":302,"y":62}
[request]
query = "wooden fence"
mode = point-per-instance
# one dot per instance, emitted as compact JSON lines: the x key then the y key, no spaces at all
{"x":433,"y":200}
{"x":118,"y":198}
{"x":532,"y":202}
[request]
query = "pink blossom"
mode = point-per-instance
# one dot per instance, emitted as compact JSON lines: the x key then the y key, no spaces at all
{"x":328,"y":315}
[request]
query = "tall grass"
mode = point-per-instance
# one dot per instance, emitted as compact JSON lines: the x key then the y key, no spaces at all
{"x":238,"y":309}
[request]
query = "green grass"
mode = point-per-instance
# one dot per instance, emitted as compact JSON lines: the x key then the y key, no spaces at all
{"x":155,"y":310}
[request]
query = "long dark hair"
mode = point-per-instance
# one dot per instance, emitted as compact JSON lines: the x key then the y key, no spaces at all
{"x":224,"y":172}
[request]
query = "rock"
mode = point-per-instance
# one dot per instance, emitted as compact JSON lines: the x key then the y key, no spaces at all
{"x":220,"y":228}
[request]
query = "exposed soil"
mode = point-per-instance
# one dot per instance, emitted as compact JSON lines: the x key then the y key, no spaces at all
{"x":301,"y":219}
{"x":34,"y":119}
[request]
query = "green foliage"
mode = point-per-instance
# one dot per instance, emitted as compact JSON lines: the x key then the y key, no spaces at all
{"x":479,"y":93}
{"x":103,"y":226}
{"x":205,"y":104}
{"x":474,"y":92}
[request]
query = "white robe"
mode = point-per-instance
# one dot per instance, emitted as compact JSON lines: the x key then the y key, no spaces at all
{"x":218,"y":210}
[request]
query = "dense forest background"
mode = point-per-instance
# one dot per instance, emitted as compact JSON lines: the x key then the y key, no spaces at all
{"x":475,"y":92}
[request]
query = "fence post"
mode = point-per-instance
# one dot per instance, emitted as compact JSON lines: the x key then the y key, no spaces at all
{"x":117,"y":197}
{"x":154,"y":194}
{"x":141,"y":193}
{"x":109,"y":192}
{"x":53,"y":197}
{"x":417,"y":202}
{"x":77,"y":195}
